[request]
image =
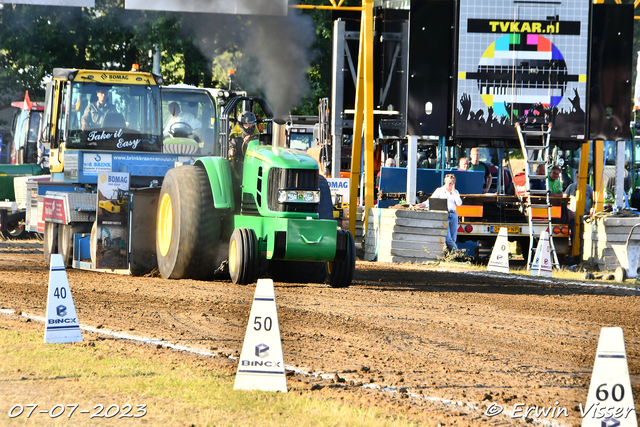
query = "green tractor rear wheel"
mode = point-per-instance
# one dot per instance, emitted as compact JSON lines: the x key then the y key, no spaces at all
{"x":188,"y":225}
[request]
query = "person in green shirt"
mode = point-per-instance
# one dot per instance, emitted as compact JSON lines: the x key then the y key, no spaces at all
{"x":477,"y":165}
{"x":554,"y":184}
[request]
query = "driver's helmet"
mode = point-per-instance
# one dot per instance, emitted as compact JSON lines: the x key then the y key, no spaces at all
{"x":248,"y":117}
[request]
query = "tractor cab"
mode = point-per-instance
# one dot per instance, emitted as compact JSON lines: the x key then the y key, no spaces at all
{"x":189,"y":120}
{"x":101,"y":110}
{"x":232,"y":127}
{"x":27,"y":122}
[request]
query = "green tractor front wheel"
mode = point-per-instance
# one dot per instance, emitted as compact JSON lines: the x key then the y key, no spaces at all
{"x":243,"y":256}
{"x":340,"y":273}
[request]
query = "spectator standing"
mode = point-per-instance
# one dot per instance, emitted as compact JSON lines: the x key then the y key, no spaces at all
{"x":555,"y":186}
{"x":571,"y":192}
{"x":448,"y":191}
{"x":538,"y":184}
{"x":389,"y":163}
{"x":463,"y":164}
{"x":477,"y":165}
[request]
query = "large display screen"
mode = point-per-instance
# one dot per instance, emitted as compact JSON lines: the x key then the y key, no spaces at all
{"x":522,"y":61}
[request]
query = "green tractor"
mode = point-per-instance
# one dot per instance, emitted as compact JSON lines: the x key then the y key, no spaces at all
{"x":261,"y":203}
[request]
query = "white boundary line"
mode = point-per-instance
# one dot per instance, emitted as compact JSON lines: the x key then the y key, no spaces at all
{"x":445,"y":402}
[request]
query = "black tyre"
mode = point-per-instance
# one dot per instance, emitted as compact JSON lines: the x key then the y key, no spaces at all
{"x":50,"y":244}
{"x":65,"y":239}
{"x":341,"y":272}
{"x":243,"y":256}
{"x":620,"y":274}
{"x":16,"y":230}
{"x":188,"y":225}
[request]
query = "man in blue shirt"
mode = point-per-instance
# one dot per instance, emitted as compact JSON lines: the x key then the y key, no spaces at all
{"x":538,"y":184}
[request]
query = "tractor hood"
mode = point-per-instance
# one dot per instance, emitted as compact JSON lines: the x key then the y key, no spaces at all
{"x":281,"y":157}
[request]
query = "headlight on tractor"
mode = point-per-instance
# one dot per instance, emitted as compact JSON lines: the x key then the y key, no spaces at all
{"x":298,"y":196}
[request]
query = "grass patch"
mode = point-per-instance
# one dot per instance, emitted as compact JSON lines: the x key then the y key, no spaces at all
{"x":177,"y":390}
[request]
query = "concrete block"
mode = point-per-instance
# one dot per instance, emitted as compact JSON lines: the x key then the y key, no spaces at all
{"x":408,"y":222}
{"x":399,"y":259}
{"x":409,"y":214}
{"x":387,"y":235}
{"x":418,"y":254}
{"x":627,"y":222}
{"x":416,"y":246}
{"x":430,"y":231}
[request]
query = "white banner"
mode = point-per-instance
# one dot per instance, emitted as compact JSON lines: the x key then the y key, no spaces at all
{"x":94,"y":163}
{"x":112,"y":243}
{"x":339,"y":186}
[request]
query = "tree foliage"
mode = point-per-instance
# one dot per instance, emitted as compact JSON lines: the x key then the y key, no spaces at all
{"x":196,"y":49}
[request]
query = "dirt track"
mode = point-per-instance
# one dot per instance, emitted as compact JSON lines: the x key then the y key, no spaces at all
{"x":424,"y":331}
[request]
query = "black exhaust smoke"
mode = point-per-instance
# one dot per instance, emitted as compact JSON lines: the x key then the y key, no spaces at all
{"x":275,"y":49}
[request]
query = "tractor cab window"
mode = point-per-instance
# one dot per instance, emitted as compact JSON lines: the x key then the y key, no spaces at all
{"x":34,"y":127}
{"x":114,"y":117}
{"x":19,"y":136}
{"x":33,"y":133}
{"x":300,"y":138}
{"x":188,"y":122}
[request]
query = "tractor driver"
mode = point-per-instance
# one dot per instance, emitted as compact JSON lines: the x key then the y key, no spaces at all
{"x":95,"y":112}
{"x":244,"y":131}
{"x":180,"y":118}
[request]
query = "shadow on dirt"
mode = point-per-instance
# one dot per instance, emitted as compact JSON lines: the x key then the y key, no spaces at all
{"x":405,"y":277}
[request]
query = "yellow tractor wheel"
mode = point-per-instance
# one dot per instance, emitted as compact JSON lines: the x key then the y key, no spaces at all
{"x":188,"y":225}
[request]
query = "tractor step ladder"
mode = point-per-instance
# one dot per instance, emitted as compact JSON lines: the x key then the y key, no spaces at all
{"x":536,"y":153}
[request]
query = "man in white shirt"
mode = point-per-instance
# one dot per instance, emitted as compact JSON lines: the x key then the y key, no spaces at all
{"x":178,"y":116}
{"x":588,"y":198}
{"x":448,"y":191}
